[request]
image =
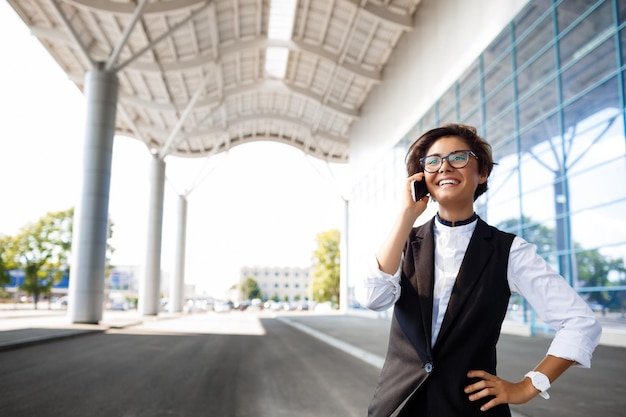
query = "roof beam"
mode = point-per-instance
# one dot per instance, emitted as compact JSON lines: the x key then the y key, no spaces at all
{"x":200,"y":60}
{"x":404,"y":22}
{"x":127,"y":31}
{"x":267,"y":86}
{"x":75,"y":39}
{"x":296,"y":46}
{"x":161,"y":7}
{"x":183,"y":118}
{"x":260,"y":117}
{"x":160,"y":38}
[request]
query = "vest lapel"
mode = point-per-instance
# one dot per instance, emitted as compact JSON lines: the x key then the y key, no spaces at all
{"x":423,"y":278}
{"x":478,"y":252}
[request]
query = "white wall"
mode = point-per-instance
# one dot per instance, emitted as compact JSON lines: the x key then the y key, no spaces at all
{"x":448,"y":36}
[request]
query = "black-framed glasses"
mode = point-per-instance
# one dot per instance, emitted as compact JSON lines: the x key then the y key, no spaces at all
{"x":456,"y":159}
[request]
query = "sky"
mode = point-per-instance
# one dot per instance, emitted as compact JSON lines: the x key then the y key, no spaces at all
{"x":260,"y":204}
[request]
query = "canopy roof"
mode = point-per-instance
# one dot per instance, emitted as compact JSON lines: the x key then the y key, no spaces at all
{"x":192,"y":77}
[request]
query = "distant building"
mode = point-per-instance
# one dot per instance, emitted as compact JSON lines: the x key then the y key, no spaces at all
{"x":282,"y":283}
{"x":124,"y":278}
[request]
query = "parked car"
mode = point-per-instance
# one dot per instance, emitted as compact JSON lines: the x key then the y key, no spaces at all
{"x":222,"y":306}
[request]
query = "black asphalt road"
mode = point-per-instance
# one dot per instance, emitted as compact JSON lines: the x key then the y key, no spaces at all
{"x":238,"y":364}
{"x":150,"y":372}
{"x":596,"y":392}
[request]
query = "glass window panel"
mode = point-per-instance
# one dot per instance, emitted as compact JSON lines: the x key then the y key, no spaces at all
{"x":604,"y":192}
{"x":447,"y":101}
{"x":535,"y":73}
{"x":587,"y":33}
{"x":498,"y":51}
{"x":470,"y":78}
{"x":448,"y":116}
{"x":499,"y":102}
{"x":538,"y":133}
{"x":537,"y":190}
{"x":470,"y":101}
{"x":605,"y":95}
{"x":527,"y":17}
{"x":621,"y":11}
{"x":504,"y":193}
{"x":589,"y":70}
{"x":503,"y":150}
{"x":539,"y":167}
{"x":597,"y":151}
{"x":498,"y":74}
{"x":527,"y":47}
{"x":622,"y":37}
{"x":602,"y":267}
{"x":500,"y":129}
{"x":473,"y":119}
{"x":541,"y":235}
{"x":603,"y":226}
{"x":594,"y":142}
{"x":542,"y":102}
{"x":569,"y":11}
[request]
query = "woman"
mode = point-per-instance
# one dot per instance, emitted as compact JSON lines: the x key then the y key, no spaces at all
{"x":450,"y":281}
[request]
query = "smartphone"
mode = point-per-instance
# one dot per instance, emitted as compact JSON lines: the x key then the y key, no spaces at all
{"x":418,"y":190}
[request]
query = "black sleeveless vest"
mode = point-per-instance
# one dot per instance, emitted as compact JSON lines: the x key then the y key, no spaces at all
{"x":467,"y":340}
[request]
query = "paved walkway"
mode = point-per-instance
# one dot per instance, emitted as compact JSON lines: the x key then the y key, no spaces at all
{"x":362,"y":334}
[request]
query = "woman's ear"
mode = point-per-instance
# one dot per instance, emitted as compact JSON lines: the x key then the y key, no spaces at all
{"x":484,"y":175}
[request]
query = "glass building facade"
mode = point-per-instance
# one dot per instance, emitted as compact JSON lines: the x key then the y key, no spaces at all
{"x":548,"y":94}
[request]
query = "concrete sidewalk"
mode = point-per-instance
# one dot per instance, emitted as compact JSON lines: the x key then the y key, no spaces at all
{"x":22,"y":325}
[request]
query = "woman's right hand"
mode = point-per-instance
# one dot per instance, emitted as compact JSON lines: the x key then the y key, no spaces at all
{"x":390,"y":253}
{"x":413,"y":209}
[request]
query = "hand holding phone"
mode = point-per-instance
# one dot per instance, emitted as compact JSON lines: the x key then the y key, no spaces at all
{"x":418,"y":190}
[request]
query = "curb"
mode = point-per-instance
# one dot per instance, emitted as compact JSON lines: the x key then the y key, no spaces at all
{"x":38,"y":340}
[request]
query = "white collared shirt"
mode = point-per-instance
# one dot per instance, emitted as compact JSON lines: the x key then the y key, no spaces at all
{"x":555,"y":301}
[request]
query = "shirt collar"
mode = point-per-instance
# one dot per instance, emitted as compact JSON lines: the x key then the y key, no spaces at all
{"x":459,"y":223}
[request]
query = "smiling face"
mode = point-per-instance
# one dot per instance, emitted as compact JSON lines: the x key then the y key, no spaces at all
{"x":454,"y":188}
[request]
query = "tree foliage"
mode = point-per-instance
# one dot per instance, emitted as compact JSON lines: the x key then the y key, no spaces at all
{"x":250,"y":289}
{"x":594,"y":270}
{"x":42,"y":249}
{"x":326,"y":267}
{"x":5,"y":278}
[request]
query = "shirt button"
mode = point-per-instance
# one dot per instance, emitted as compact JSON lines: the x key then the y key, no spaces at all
{"x":428,"y":367}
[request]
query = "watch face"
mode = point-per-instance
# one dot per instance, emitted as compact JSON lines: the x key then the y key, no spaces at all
{"x":540,"y":381}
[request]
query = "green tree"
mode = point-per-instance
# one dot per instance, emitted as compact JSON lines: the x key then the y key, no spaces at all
{"x":326,"y":263}
{"x":42,"y":249}
{"x":250,"y":289}
{"x":593,"y":271}
{"x":5,"y":278}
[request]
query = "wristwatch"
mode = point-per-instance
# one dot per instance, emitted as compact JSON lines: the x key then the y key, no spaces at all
{"x":540,"y":382}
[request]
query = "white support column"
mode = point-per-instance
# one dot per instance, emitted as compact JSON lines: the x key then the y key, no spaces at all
{"x":177,"y":286}
{"x":150,"y":285}
{"x":87,"y":268}
{"x":343,"y":259}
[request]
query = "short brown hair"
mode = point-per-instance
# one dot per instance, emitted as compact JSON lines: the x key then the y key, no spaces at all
{"x":468,"y":134}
